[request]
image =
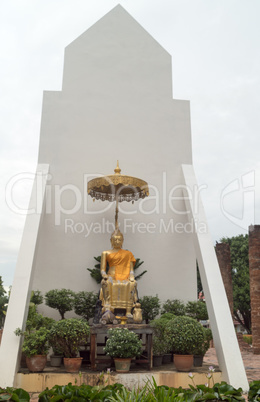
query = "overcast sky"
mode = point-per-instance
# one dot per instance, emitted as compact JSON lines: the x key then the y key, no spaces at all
{"x":215,"y":48}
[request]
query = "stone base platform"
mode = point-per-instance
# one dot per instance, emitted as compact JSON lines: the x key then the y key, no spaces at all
{"x":137,"y":377}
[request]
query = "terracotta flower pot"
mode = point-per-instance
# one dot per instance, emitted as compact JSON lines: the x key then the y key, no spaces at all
{"x":183,"y":362}
{"x":36,"y":363}
{"x":122,"y":364}
{"x":72,"y":364}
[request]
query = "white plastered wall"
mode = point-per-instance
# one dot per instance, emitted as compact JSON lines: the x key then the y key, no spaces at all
{"x":115,"y":104}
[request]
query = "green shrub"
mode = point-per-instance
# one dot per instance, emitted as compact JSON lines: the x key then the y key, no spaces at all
{"x":174,"y":306}
{"x":184,"y":335}
{"x":61,"y":300}
{"x":36,"y":297}
{"x":167,"y":316}
{"x":122,"y":343}
{"x":67,"y":335}
{"x":197,"y":310}
{"x":85,"y":304}
{"x":160,"y":346}
{"x":36,"y":320}
{"x":203,"y":347}
{"x":36,"y":342}
{"x":150,"y":307}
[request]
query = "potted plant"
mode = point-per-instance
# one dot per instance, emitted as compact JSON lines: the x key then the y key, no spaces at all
{"x":183,"y":334}
{"x":57,"y":354}
{"x":197,"y":310}
{"x":85,"y":304}
{"x":35,"y":348}
{"x":61,"y":300}
{"x":67,"y":335}
{"x":123,"y":345}
{"x":158,"y":351}
{"x":160,"y":346}
{"x":168,"y":355}
{"x":201,"y":349}
{"x":150,"y":307}
{"x":175,"y":306}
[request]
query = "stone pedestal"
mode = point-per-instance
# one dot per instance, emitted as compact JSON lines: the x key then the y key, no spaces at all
{"x":254,"y":271}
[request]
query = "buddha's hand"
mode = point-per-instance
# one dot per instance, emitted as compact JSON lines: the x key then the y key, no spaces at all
{"x":104,"y":275}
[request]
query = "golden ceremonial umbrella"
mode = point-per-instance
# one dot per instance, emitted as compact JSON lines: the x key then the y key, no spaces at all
{"x":117,"y":187}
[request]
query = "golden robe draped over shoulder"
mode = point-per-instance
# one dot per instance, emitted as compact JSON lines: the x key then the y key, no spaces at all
{"x":121,"y":261}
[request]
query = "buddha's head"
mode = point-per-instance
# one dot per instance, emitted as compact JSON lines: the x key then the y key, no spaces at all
{"x":117,"y":239}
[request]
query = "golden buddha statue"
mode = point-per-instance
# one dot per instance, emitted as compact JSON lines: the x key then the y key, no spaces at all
{"x":119,"y":289}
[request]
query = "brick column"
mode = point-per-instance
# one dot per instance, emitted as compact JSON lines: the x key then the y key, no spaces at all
{"x":224,"y":260}
{"x":254,"y":272}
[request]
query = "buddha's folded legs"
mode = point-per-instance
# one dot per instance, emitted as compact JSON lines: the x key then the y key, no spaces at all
{"x":119,"y":294}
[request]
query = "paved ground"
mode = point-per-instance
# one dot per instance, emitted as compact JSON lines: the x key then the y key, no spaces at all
{"x":251,"y":362}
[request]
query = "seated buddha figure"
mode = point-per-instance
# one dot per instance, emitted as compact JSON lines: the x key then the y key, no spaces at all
{"x":119,"y":290}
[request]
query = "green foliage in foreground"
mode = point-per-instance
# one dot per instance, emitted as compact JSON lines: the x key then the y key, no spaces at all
{"x":80,"y":393}
{"x":150,"y":393}
{"x":12,"y":394}
{"x":254,"y":391}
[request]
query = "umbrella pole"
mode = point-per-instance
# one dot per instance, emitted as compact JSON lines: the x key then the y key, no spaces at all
{"x":116,"y":215}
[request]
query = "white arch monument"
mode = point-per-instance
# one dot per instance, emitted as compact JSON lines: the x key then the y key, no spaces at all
{"x":116,"y":103}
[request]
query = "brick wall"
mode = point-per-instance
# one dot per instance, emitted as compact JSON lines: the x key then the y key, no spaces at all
{"x":254,"y":271}
{"x":224,"y":260}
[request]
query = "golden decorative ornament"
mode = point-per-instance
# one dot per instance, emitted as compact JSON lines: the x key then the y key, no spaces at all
{"x":117,"y":187}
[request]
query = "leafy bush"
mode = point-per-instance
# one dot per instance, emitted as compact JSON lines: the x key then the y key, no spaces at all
{"x":67,"y":335}
{"x":36,"y":342}
{"x":174,"y":306}
{"x":85,"y":304}
{"x":36,"y":320}
{"x":203,"y":347}
{"x":150,"y":306}
{"x":184,"y":335}
{"x":122,"y":343}
{"x":167,"y":316}
{"x":160,"y":346}
{"x":36,"y":297}
{"x":61,"y":300}
{"x":197,"y":310}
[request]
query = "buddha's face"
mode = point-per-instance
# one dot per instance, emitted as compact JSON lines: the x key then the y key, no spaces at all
{"x":117,"y":241}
